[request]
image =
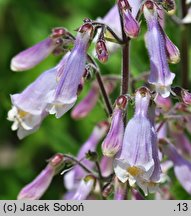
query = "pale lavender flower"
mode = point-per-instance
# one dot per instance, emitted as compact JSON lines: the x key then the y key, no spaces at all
{"x":71,"y":179}
{"x":138,"y":160}
{"x":160,"y":75}
{"x":86,"y":105}
{"x":85,"y":187}
{"x":182,"y":167}
{"x":113,"y":141}
{"x":30,"y":106}
{"x":30,"y":57}
{"x":131,"y":26}
{"x":65,"y":94}
{"x":35,"y":189}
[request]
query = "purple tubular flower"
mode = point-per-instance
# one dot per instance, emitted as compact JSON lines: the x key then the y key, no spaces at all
{"x":85,"y":187}
{"x":182,"y":167}
{"x":113,"y":141}
{"x":82,"y":109}
{"x":160,"y":75}
{"x":138,"y":159}
{"x":66,"y":92}
{"x":35,"y":189}
{"x":131,"y":26}
{"x":30,"y":57}
{"x":71,"y":179}
{"x":36,"y":96}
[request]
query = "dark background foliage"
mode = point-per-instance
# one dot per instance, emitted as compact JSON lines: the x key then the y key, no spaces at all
{"x":22,"y":24}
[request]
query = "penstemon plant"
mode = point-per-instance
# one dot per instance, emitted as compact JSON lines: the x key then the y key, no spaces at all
{"x":135,"y":153}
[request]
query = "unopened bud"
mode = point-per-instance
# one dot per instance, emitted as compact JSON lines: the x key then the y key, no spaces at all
{"x":58,"y":32}
{"x":101,"y":51}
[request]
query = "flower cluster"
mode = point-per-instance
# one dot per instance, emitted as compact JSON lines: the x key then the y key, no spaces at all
{"x":130,"y":154}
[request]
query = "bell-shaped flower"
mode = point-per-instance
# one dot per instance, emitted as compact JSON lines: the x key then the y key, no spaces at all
{"x":131,"y":26}
{"x":86,"y":105}
{"x":114,"y":139}
{"x":35,"y":189}
{"x":160,"y":75}
{"x":138,"y":159}
{"x":65,"y":94}
{"x":71,"y":179}
{"x":84,"y":189}
{"x":182,"y":167}
{"x":30,"y":57}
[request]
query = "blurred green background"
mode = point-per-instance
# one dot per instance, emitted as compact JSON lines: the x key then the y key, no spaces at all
{"x":22,"y":24}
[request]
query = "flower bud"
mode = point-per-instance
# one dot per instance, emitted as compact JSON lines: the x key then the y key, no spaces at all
{"x":172,"y":51}
{"x":113,"y":141}
{"x":131,"y":26}
{"x":101,"y":51}
{"x":184,"y":95}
